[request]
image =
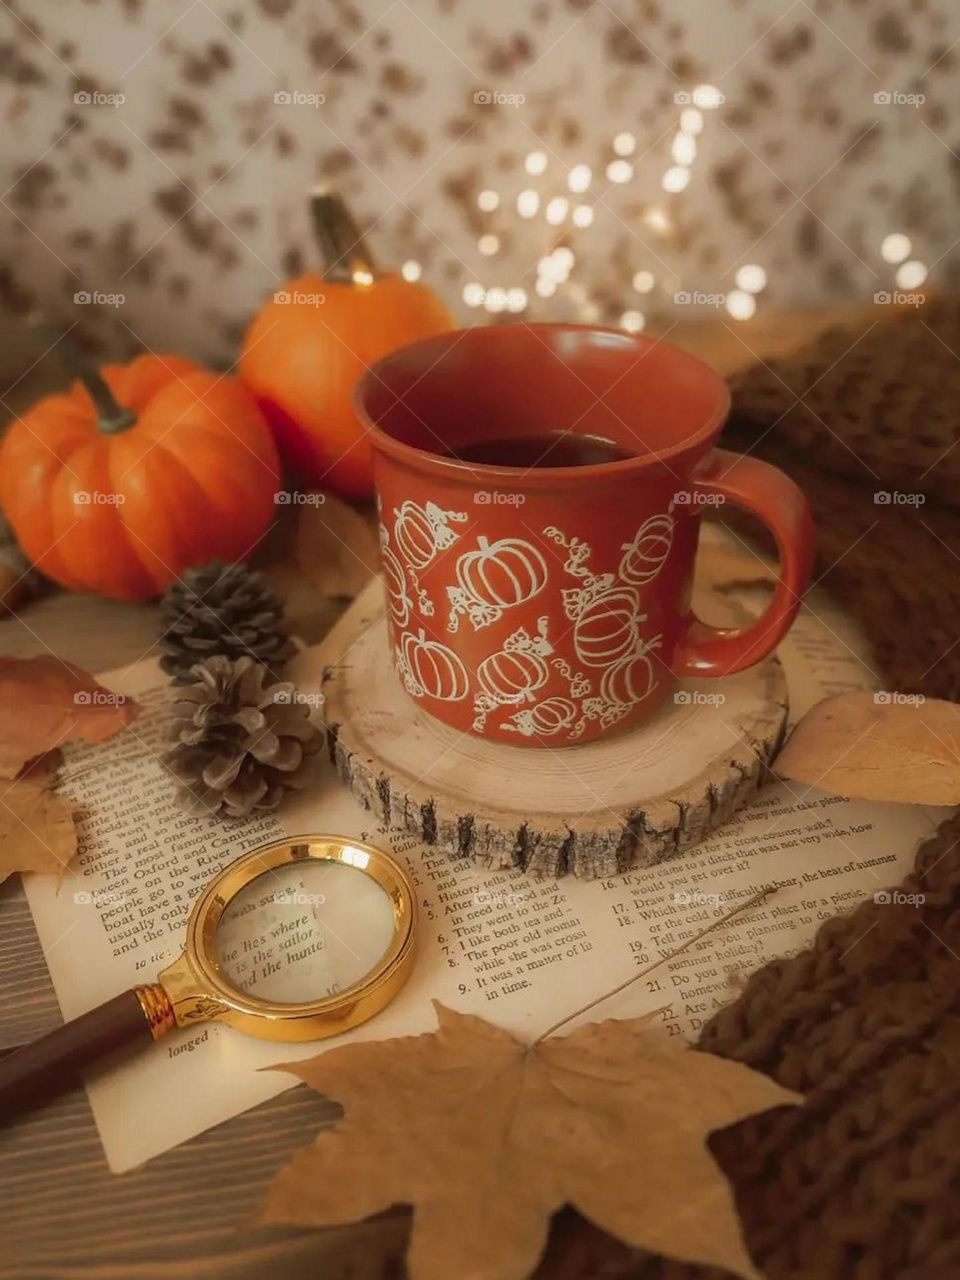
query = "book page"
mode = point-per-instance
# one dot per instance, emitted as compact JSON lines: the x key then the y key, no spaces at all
{"x":520,"y":952}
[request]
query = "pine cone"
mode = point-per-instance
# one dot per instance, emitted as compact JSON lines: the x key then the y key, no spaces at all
{"x":242,"y":739}
{"x":222,"y":609}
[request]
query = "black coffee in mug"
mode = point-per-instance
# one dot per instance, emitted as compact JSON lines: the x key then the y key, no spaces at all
{"x":541,"y":449}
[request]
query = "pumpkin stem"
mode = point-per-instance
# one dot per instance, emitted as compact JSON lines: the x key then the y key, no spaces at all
{"x":113,"y":417}
{"x":347,"y":260}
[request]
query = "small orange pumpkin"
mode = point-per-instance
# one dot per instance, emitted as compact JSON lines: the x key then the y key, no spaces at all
{"x":136,"y":473}
{"x":308,"y":345}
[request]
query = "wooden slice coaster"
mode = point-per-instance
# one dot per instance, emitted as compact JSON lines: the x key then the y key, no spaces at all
{"x":597,"y":809}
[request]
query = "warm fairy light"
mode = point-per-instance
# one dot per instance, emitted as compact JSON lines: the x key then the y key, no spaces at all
{"x":496,"y":299}
{"x":556,"y":266}
{"x":488,"y":244}
{"x":528,"y":202}
{"x":591,"y":312}
{"x":624,"y":144}
{"x":516,"y":299}
{"x":675,"y":179}
{"x":557,"y":210}
{"x":691,"y":120}
{"x":546,"y":287}
{"x":632,"y":321}
{"x":579,"y":177}
{"x":911,"y":274}
{"x":582,"y":215}
{"x":554,"y":272}
{"x":643,"y":281}
{"x":895,"y":247}
{"x":488,"y":200}
{"x":536,"y":162}
{"x":751,"y":277}
{"x":411,"y":269}
{"x":707,"y":97}
{"x":619,"y":171}
{"x":741,"y":305}
{"x":658,"y":219}
{"x":474,"y":294}
{"x":684,"y":148}
{"x":361,"y":276}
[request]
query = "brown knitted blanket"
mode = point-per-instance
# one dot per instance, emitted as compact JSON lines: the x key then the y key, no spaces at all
{"x":863,"y":1181}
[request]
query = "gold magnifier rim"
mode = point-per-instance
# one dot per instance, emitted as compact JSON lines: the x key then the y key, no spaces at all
{"x":313,"y":1018}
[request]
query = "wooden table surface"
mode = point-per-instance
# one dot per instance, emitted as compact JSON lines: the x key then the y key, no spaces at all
{"x":188,"y":1213}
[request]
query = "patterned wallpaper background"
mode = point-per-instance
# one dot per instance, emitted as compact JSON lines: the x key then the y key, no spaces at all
{"x":615,"y":160}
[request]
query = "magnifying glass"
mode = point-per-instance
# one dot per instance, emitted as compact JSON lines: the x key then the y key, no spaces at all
{"x":296,"y":940}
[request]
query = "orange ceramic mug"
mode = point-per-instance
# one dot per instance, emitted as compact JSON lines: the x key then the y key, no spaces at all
{"x":533,"y":603}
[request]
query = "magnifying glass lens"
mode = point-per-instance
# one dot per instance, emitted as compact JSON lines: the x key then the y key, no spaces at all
{"x":304,"y":931}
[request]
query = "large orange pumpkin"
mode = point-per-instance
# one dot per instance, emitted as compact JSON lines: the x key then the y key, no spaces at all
{"x":312,"y":340}
{"x":119,"y":488}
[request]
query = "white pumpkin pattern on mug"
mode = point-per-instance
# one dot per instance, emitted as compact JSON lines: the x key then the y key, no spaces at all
{"x":615,"y":663}
{"x":493,"y":577}
{"x":419,"y":534}
{"x":432,"y":669}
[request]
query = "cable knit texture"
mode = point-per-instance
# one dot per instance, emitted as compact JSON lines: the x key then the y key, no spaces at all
{"x":863,"y":1181}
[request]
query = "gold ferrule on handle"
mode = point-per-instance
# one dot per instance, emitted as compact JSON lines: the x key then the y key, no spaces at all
{"x":157,"y":1009}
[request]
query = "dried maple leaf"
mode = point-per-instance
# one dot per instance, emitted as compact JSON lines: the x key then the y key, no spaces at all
{"x":36,"y":829}
{"x":45,"y":702}
{"x":878,"y":746}
{"x":486,"y":1137}
{"x":336,"y":548}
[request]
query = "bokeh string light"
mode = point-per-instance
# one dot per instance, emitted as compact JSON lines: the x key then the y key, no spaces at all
{"x":569,"y":198}
{"x":911,"y":273}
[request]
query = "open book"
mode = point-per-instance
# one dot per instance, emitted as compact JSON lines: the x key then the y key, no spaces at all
{"x":516,"y":951}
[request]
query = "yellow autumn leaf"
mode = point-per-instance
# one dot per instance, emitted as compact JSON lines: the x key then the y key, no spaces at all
{"x":878,"y":746}
{"x":37,"y":832}
{"x":486,"y":1137}
{"x":45,"y":702}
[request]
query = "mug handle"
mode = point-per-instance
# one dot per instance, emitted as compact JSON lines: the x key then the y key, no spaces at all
{"x":767,"y":493}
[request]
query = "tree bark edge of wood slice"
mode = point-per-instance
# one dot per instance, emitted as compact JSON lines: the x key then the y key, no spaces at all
{"x":382,"y":745}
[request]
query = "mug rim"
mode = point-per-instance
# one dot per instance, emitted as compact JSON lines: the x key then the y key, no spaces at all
{"x":452,"y":468}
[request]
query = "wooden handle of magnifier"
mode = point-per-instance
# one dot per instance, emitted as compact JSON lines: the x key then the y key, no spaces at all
{"x":53,"y":1064}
